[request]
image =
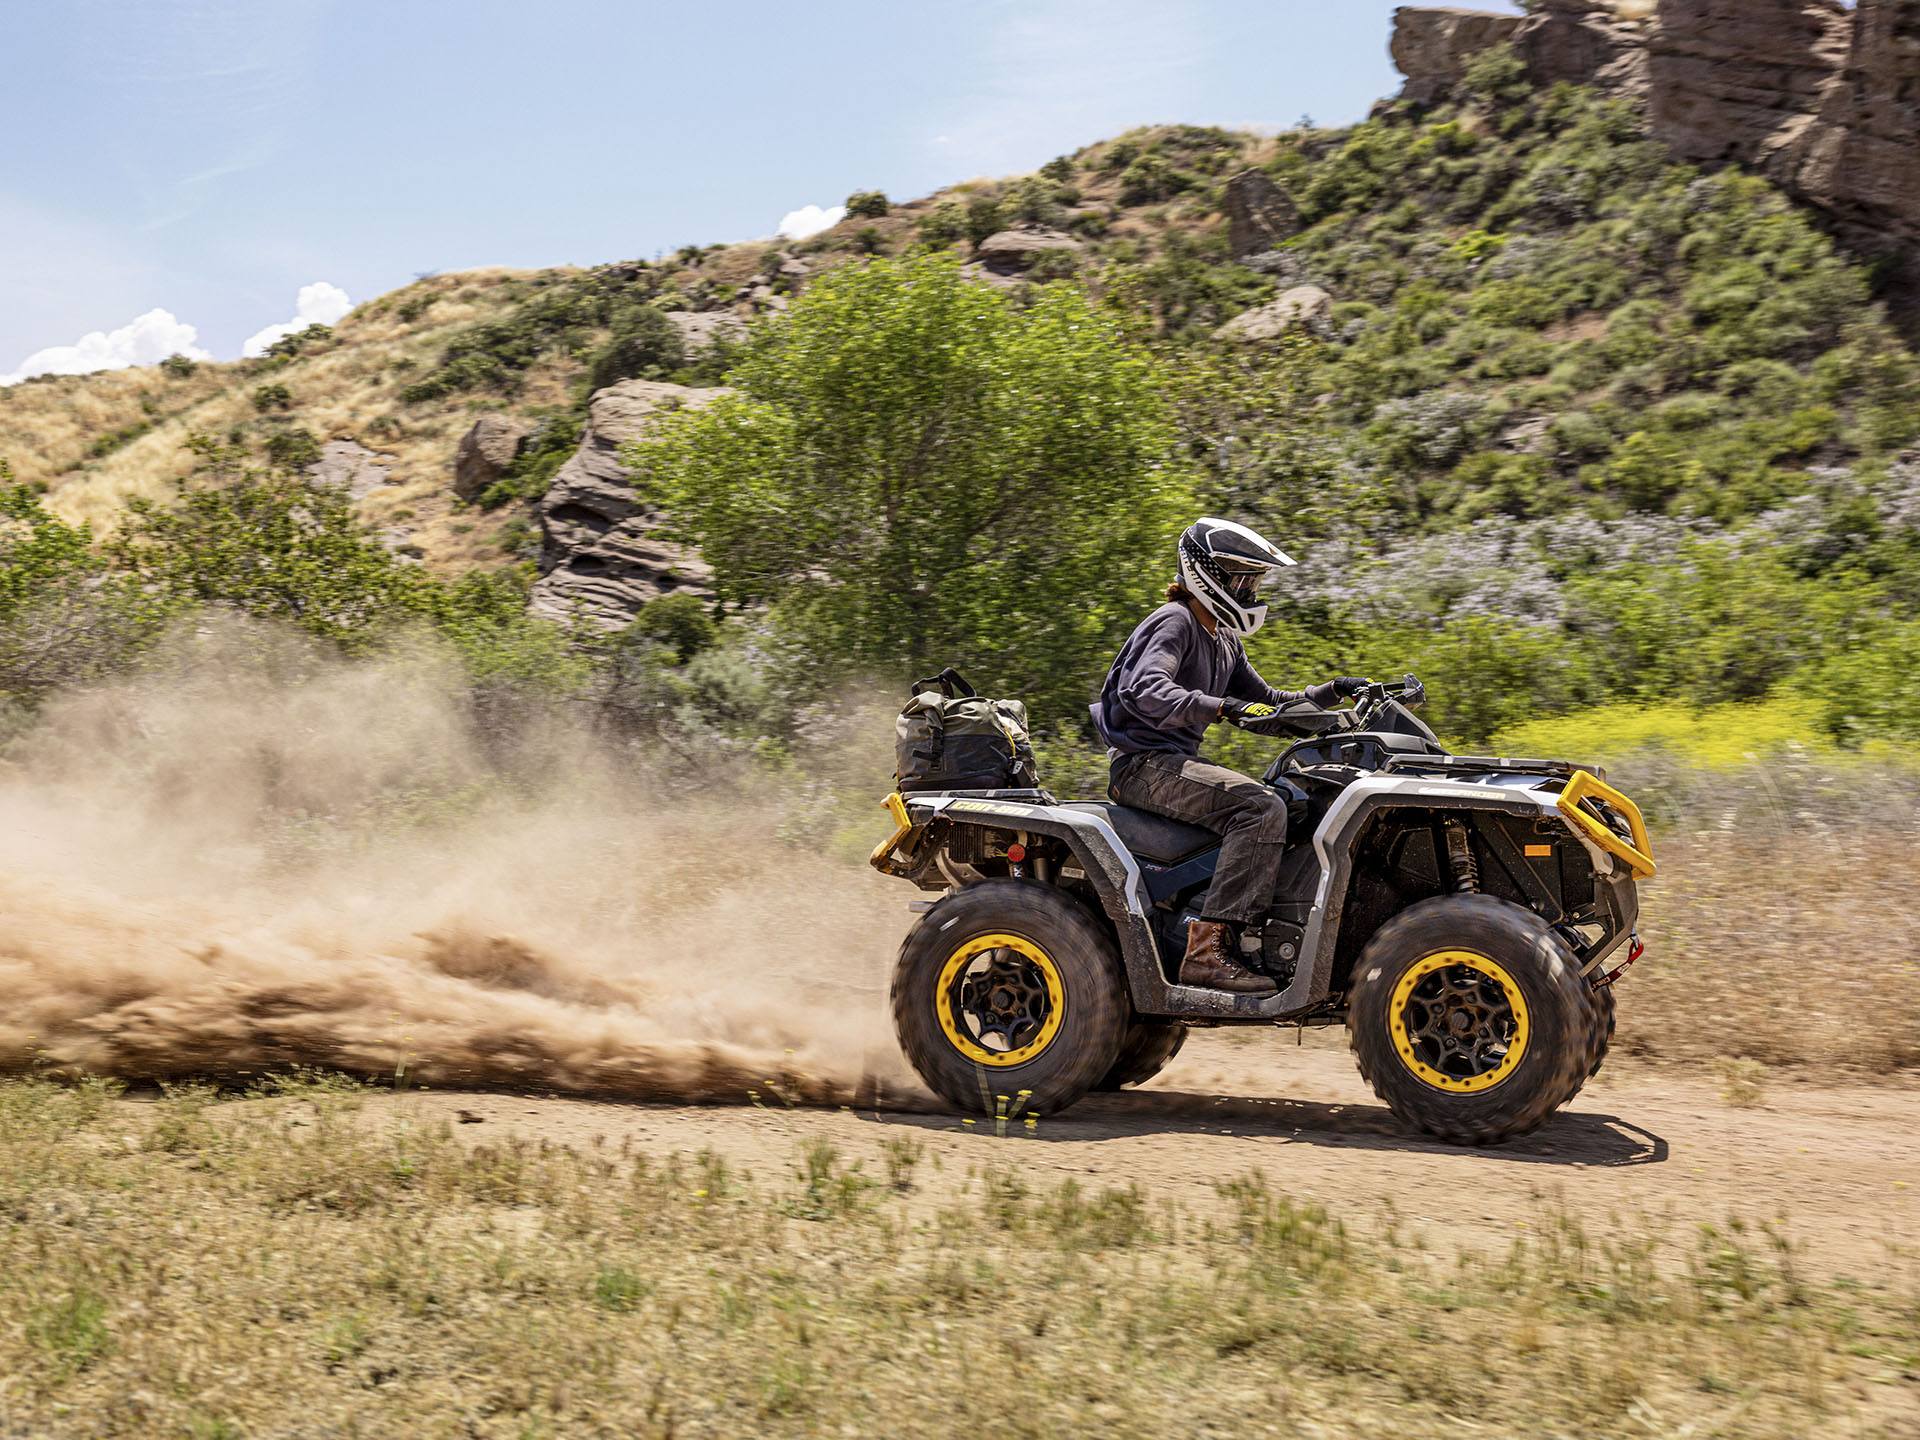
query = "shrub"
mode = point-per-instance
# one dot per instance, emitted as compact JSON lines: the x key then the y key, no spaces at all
{"x":645,"y":347}
{"x":944,"y":225}
{"x":1151,"y":178}
{"x":984,"y":217}
{"x":288,"y":346}
{"x":291,"y":450}
{"x":272,"y":396}
{"x":178,"y":367}
{"x":867,"y":205}
{"x":682,"y":623}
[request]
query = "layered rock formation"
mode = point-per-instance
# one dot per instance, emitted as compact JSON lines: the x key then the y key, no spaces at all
{"x":601,"y":554}
{"x":1822,"y":99}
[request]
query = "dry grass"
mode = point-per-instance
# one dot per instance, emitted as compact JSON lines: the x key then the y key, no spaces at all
{"x":1780,"y":930}
{"x":282,"y":1267}
{"x":349,"y":390}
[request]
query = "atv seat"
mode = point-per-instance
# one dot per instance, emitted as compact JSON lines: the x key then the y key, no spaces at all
{"x":1149,"y":836}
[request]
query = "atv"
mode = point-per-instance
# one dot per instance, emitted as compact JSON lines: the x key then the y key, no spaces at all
{"x":1456,"y":912}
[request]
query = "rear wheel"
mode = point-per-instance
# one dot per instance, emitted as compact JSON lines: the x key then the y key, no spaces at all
{"x":1009,"y":987}
{"x":1471,"y":1019}
{"x":1148,"y":1049}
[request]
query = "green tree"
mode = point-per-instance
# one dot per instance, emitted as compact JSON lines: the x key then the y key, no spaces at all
{"x":63,"y":617}
{"x":273,"y":545}
{"x":917,"y":471}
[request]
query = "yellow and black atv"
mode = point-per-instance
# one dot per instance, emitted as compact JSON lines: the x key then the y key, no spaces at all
{"x":1457,"y":912}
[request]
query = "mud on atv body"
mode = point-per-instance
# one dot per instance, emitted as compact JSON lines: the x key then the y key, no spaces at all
{"x":1456,"y":912}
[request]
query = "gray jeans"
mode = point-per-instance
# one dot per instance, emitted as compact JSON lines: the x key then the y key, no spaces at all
{"x":1250,"y":816}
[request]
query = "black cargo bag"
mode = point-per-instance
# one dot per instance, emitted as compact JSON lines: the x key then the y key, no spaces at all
{"x":950,"y":738}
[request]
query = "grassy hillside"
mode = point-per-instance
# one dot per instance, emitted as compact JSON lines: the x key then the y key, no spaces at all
{"x":1580,"y":424}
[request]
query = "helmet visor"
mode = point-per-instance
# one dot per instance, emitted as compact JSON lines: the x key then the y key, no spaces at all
{"x":1242,"y":584}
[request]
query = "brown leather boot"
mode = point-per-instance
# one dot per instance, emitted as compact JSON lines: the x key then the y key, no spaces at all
{"x":1208,"y":965}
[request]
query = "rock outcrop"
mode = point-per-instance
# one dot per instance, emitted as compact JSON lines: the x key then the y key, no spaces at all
{"x":351,"y":465}
{"x":1586,"y":42}
{"x":701,"y":329}
{"x":1305,"y":307}
{"x":485,"y":452}
{"x":1260,"y":215}
{"x":601,"y":554}
{"x":1431,"y":46}
{"x":1823,"y":99}
{"x":1011,"y":252}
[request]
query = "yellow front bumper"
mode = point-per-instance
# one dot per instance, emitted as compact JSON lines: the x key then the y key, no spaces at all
{"x":1637,"y":856}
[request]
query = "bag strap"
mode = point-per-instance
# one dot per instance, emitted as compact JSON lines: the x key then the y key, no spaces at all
{"x":949,"y":683}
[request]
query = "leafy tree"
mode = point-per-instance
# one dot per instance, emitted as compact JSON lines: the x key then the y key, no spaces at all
{"x":274,"y":545}
{"x":917,"y":471}
{"x":63,"y":617}
{"x":867,"y":205}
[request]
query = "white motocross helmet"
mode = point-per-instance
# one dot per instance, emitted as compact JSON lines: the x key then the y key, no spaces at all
{"x":1222,"y":565}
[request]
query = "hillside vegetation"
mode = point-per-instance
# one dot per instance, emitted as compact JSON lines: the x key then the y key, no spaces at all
{"x":1577,"y":424}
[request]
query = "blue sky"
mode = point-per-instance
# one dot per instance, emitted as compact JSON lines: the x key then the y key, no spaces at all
{"x":211,"y":157}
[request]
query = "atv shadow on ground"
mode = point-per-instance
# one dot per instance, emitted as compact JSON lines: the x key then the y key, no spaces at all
{"x":1575,"y":1138}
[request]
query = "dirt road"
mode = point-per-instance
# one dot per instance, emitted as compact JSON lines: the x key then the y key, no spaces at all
{"x":1840,"y":1166}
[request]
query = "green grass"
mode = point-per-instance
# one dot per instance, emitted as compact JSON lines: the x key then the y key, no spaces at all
{"x":286,"y":1264}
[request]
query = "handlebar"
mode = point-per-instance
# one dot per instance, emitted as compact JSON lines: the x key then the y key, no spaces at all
{"x":1303,"y":719}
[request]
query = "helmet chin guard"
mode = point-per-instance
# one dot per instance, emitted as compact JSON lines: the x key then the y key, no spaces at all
{"x":1222,"y":564}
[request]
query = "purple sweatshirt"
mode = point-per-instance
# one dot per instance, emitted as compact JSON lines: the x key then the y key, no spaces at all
{"x":1170,"y":681}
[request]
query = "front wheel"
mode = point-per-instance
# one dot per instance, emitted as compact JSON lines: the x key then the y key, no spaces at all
{"x":1008,"y":987}
{"x":1471,"y":1018}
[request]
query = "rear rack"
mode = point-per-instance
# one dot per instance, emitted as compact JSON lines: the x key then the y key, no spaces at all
{"x":1563,"y":769}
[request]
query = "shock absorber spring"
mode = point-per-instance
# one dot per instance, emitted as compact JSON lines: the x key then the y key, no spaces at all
{"x":1466,"y":868}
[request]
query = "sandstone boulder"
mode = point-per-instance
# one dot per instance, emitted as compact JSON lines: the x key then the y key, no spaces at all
{"x":1260,"y":215}
{"x":601,"y":554}
{"x":349,"y":464}
{"x":1011,"y":252}
{"x":1305,"y":307}
{"x":485,"y":452}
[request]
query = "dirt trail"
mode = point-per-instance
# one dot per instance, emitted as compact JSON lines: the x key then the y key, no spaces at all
{"x":1840,"y":1165}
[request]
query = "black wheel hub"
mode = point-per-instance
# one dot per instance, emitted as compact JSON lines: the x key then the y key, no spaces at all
{"x":1002,"y":998}
{"x":1460,"y":1022}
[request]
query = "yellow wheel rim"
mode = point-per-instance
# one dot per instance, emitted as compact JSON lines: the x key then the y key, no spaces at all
{"x":1459,"y":1021}
{"x":1004,"y":1011}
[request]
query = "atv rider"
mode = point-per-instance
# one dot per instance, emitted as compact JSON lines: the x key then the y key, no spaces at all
{"x":1182,"y":669}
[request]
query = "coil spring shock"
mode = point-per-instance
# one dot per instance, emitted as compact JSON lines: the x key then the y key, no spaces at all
{"x":1466,"y":868}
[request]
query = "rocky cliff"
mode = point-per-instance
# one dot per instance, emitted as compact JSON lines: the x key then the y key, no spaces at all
{"x":1823,"y":99}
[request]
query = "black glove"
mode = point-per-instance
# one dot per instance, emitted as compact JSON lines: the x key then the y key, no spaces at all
{"x":1239,"y":712}
{"x":1348,"y":686}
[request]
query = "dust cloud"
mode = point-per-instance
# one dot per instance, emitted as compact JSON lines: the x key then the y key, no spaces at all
{"x":251,"y":857}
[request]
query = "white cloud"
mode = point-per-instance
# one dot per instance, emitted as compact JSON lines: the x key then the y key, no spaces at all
{"x":810,"y":220}
{"x":318,"y":304}
{"x":141,"y":341}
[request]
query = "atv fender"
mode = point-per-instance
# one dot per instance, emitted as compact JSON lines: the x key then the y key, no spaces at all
{"x":1110,"y":869}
